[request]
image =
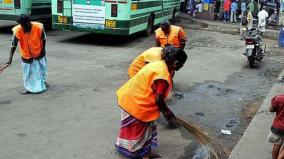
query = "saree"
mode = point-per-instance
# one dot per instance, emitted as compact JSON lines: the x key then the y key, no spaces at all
{"x":136,"y":138}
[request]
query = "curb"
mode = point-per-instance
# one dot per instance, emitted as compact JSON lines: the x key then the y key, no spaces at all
{"x":225,"y":27}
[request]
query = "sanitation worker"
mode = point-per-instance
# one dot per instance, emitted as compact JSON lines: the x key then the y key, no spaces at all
{"x":170,"y":34}
{"x":151,"y":55}
{"x":32,"y":39}
{"x":142,"y":99}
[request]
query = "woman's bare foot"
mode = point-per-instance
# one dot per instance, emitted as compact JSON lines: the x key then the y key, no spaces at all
{"x":25,"y":92}
{"x":46,"y":84}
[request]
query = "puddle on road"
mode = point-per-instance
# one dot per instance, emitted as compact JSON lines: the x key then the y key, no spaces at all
{"x":199,"y":114}
{"x":201,"y":153}
{"x":233,"y":123}
{"x":216,"y":106}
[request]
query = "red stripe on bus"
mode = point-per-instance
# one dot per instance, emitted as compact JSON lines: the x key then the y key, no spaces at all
{"x":123,"y":2}
{"x":6,"y":9}
{"x":111,"y":1}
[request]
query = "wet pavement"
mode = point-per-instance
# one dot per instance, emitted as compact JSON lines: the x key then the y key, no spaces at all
{"x":228,"y":105}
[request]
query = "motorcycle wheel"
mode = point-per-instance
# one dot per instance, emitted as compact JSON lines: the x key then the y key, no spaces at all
{"x":251,"y":61}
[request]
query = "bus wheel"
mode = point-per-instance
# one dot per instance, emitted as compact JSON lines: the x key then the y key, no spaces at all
{"x":150,"y":26}
{"x":47,"y":24}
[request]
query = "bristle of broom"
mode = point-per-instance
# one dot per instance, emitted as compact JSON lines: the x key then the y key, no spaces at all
{"x":2,"y":67}
{"x":202,"y":137}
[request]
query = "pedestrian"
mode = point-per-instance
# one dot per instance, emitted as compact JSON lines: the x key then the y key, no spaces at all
{"x":182,"y":6}
{"x":243,"y":24}
{"x":234,"y":7}
{"x":189,"y":6}
{"x":276,"y":136}
{"x":151,"y":55}
{"x":199,"y":7}
{"x":32,"y":39}
{"x":227,"y":7}
{"x":170,"y":34}
{"x":262,"y":16}
{"x":217,"y":7}
{"x":243,"y":7}
{"x":193,"y":9}
{"x":239,"y":10}
{"x":274,"y":18}
{"x":249,"y":18}
{"x":142,"y":98}
{"x":251,"y":6}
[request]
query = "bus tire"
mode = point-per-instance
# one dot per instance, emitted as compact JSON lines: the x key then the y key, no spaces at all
{"x":150,"y":26}
{"x":47,"y":24}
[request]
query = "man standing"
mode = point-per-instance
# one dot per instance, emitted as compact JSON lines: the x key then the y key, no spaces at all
{"x":234,"y":7}
{"x":244,"y":24}
{"x":251,"y":6}
{"x":249,"y":18}
{"x":262,"y":16}
{"x":170,"y":34}
{"x":32,"y":40}
{"x":199,"y":7}
{"x":243,"y":7}
{"x":227,"y":7}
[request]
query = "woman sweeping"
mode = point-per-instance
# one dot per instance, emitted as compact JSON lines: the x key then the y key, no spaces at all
{"x":142,"y":98}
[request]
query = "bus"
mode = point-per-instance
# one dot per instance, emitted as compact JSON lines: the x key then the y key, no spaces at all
{"x":37,"y":9}
{"x":114,"y":17}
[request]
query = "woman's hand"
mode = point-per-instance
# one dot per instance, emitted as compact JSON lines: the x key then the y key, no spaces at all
{"x":9,"y":62}
{"x":171,"y":118}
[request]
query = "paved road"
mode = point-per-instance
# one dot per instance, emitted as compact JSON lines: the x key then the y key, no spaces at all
{"x":77,"y":118}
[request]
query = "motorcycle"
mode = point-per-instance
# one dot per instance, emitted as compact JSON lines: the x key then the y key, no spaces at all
{"x":255,"y":47}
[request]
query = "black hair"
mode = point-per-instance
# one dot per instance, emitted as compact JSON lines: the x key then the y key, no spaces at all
{"x":165,"y":23}
{"x":23,"y":19}
{"x":170,"y":53}
{"x":181,"y":57}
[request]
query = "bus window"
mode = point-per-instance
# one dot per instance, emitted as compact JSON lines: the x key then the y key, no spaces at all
{"x":114,"y":17}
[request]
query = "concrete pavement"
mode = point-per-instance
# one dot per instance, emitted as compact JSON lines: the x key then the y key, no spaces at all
{"x":253,"y":144}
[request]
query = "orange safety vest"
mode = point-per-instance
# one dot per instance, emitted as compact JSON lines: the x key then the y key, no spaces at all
{"x":150,"y":55}
{"x":137,"y":97}
{"x":30,"y":43}
{"x":173,"y":37}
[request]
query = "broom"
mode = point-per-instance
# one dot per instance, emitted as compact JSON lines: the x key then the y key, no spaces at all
{"x":3,"y":67}
{"x":204,"y":139}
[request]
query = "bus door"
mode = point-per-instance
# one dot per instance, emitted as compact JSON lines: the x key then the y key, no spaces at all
{"x":66,"y":12}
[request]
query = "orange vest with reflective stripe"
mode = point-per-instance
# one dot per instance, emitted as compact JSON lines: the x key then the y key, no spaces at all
{"x":30,"y":43}
{"x":172,"y":38}
{"x":150,"y":55}
{"x":137,"y":97}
